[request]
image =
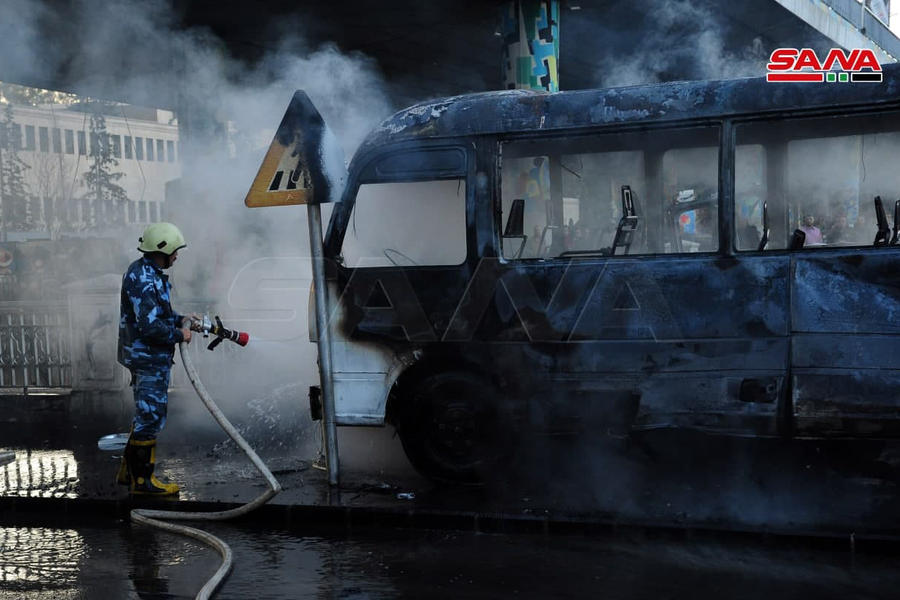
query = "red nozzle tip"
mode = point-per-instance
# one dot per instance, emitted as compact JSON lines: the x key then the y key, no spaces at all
{"x":243,"y":338}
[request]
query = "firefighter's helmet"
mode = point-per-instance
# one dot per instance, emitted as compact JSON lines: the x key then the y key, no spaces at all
{"x":161,"y":237}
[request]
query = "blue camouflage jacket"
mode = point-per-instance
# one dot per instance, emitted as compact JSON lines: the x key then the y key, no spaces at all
{"x":148,"y":327}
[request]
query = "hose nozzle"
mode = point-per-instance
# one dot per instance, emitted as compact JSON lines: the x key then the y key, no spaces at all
{"x":206,"y":326}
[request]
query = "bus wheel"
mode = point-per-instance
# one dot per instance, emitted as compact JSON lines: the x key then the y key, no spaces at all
{"x":453,"y":427}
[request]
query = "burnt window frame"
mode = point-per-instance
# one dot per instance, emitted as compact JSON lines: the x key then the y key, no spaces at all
{"x":724,"y":147}
{"x":782,"y":117}
{"x":363,"y":170}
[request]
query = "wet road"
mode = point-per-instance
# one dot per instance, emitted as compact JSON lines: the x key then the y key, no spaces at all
{"x":122,"y":561}
{"x":667,"y":479}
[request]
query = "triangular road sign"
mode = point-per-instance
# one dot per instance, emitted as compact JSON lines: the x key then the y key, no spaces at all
{"x":304,"y":163}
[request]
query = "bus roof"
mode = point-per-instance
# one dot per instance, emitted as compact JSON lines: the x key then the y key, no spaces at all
{"x":512,"y":111}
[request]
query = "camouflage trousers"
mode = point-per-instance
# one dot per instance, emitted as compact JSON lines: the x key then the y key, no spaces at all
{"x":151,"y":400}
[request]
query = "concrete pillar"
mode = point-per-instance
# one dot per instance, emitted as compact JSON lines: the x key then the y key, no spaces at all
{"x":530,"y":30}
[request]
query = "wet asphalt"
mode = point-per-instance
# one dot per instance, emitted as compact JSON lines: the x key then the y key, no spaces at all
{"x":387,"y":532}
{"x":115,"y":561}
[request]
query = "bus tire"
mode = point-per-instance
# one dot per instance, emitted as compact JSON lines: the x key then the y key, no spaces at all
{"x":453,"y":427}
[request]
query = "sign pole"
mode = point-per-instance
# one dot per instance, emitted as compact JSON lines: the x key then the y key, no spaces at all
{"x":305,"y":165}
{"x":314,"y":220}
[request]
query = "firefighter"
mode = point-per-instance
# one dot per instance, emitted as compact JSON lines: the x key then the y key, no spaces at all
{"x":148,"y":330}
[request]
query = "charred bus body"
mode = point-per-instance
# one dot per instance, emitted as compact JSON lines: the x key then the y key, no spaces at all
{"x":696,"y":255}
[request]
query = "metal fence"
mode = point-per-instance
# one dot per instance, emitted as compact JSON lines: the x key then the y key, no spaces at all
{"x":35,"y":345}
{"x":58,"y":347}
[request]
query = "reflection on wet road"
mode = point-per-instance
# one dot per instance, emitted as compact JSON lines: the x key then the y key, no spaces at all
{"x":134,"y":562}
{"x":40,"y":474}
{"x":40,"y":559}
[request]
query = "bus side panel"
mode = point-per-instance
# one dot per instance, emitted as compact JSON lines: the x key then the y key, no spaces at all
{"x":700,"y":342}
{"x":846,"y":342}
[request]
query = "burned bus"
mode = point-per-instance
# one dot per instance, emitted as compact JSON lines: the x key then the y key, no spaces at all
{"x":717,"y":255}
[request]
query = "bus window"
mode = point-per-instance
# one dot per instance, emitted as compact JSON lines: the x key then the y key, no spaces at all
{"x":407,"y":224}
{"x":818,"y":175}
{"x":573,"y":189}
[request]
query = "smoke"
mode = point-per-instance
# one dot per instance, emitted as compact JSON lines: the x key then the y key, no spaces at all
{"x":684,"y":40}
{"x":249,"y":266}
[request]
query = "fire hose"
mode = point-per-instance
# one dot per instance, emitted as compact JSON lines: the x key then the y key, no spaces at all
{"x":158,"y":518}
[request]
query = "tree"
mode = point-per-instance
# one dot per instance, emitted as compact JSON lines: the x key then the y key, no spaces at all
{"x":15,"y":199}
{"x":105,"y":199}
{"x":47,"y":180}
{"x":29,"y":96}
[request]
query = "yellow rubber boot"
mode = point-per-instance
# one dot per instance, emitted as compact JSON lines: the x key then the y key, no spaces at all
{"x":141,"y":458}
{"x":122,"y":475}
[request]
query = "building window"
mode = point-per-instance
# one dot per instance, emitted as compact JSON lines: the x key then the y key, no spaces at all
{"x":44,"y":136}
{"x":82,"y":145}
{"x":139,"y":148}
{"x":70,"y":141}
{"x":127,"y":146}
{"x":29,"y":137}
{"x":154,"y":212}
{"x":16,"y":136}
{"x":131,"y":209}
{"x":160,"y":151}
{"x":95,"y":144}
{"x":57,"y":140}
{"x":149,"y":149}
{"x":142,"y":211}
{"x":115,"y":142}
{"x":170,"y":151}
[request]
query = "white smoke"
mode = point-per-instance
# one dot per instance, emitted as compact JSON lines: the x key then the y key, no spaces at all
{"x":684,"y":38}
{"x":136,"y":51}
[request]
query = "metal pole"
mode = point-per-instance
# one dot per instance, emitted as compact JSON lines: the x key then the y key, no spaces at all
{"x":314,"y":219}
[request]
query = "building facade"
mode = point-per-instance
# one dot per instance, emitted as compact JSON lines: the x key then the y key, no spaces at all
{"x":57,"y":145}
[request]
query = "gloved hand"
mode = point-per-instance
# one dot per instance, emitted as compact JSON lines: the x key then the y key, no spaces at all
{"x":194,"y":321}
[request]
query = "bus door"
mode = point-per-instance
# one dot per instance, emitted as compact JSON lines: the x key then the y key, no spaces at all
{"x":403,"y":265}
{"x":634,"y":314}
{"x":821,"y":176}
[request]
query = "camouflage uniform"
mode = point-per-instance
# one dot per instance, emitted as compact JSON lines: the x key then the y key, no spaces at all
{"x":148,"y":332}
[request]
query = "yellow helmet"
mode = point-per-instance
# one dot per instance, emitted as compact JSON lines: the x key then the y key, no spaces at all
{"x":161,"y":237}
